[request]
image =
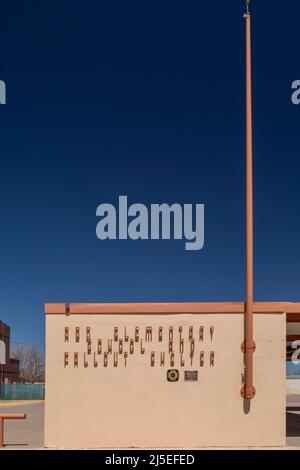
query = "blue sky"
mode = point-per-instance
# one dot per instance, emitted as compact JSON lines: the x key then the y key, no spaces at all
{"x":144,"y":99}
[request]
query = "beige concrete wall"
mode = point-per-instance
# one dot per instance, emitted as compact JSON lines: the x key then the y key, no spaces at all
{"x":135,"y":405}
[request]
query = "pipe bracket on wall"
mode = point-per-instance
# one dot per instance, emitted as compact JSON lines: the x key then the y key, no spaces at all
{"x":250,"y":345}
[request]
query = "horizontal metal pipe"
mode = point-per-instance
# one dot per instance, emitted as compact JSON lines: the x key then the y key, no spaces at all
{"x":13,"y":416}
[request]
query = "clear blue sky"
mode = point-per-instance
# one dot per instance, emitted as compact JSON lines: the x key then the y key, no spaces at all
{"x":144,"y":99}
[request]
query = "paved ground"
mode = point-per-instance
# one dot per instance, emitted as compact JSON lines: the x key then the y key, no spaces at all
{"x":293,"y":420}
{"x":29,"y":433}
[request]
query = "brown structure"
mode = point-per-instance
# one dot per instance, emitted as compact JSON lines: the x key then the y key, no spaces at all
{"x":10,"y":416}
{"x":10,"y":369}
{"x":167,"y":388}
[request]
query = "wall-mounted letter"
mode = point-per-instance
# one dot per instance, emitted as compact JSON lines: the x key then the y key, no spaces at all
{"x":201,"y":333}
{"x":95,"y":362}
{"x":201,"y":358}
{"x":160,"y":334}
{"x":85,"y":362}
{"x":66,"y":334}
{"x":152,"y":359}
{"x":116,"y":333}
{"x":77,"y":334}
{"x":105,"y":356}
{"x":76,"y":359}
{"x":66,"y":359}
{"x":88,"y":334}
{"x":212,"y":359}
{"x":148,"y":333}
{"x":115,"y":359}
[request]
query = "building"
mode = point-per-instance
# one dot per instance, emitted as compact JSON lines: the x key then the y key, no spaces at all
{"x":171,"y":375}
{"x":9,"y":368}
{"x":165,"y":375}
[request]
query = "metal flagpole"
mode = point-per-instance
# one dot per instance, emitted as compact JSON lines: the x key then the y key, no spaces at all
{"x":248,"y":346}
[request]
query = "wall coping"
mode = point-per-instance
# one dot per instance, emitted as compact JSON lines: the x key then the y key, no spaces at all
{"x":291,"y":309}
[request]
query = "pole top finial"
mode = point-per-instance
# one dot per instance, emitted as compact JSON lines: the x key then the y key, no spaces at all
{"x":248,"y":6}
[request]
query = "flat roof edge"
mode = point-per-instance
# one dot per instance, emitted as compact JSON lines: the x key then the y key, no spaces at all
{"x":169,"y":308}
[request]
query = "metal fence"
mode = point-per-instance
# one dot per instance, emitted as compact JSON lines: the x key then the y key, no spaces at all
{"x":22,"y":391}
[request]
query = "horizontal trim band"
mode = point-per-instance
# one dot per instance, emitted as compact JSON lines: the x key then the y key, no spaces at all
{"x":173,"y":308}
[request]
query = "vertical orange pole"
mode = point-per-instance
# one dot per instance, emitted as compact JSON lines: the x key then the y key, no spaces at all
{"x":248,"y":390}
{"x":1,"y":433}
